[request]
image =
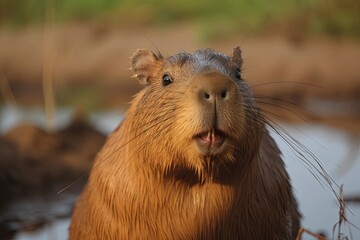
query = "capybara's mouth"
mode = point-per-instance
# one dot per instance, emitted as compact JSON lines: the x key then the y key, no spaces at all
{"x":210,"y":142}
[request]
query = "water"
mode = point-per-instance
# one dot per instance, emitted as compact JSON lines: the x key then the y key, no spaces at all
{"x":56,"y":230}
{"x":317,"y":204}
{"x":50,"y":211}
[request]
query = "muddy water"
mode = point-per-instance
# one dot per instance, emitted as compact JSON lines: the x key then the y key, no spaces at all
{"x":317,"y":203}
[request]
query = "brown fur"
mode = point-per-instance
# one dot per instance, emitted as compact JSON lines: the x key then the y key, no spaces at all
{"x":150,"y":181}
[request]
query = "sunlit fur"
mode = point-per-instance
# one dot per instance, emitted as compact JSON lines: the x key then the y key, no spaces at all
{"x":151,"y":182}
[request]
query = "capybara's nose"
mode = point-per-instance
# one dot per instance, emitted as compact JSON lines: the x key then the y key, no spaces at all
{"x":212,"y":87}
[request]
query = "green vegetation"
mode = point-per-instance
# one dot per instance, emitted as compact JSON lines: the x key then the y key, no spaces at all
{"x":331,"y":17}
{"x":33,"y":11}
{"x":86,"y":97}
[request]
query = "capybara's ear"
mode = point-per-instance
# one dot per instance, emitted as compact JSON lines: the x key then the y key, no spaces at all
{"x":236,"y":56}
{"x":145,"y":64}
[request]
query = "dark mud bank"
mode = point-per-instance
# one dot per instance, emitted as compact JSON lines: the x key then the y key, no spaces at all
{"x":35,"y":165}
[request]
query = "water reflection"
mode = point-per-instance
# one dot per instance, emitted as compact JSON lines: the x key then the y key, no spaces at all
{"x":57,"y":230}
{"x":317,"y":203}
{"x":34,"y":216}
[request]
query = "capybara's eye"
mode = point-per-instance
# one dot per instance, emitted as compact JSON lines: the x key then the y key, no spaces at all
{"x":166,"y":80}
{"x":238,"y":73}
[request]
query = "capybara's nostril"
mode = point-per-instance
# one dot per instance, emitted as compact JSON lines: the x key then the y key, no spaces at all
{"x":206,"y":95}
{"x":223,"y":94}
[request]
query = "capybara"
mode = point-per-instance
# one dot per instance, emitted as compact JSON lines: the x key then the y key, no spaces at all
{"x":192,"y":159}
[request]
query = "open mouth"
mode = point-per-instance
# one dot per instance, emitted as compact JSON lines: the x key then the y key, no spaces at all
{"x":210,"y":142}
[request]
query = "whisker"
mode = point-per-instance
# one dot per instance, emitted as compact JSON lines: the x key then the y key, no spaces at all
{"x":139,"y":134}
{"x":285,"y":82}
{"x":299,"y":151}
{"x":71,"y":184}
{"x":283,"y":101}
{"x":282,"y":107}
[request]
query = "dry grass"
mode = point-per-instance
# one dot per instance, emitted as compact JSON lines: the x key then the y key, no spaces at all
{"x":49,"y":56}
{"x":6,"y":91}
{"x":338,"y":233}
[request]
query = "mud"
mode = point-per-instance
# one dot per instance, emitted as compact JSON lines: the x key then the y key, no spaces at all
{"x":35,"y":165}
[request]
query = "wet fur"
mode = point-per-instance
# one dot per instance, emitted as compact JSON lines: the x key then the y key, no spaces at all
{"x":148,"y":181}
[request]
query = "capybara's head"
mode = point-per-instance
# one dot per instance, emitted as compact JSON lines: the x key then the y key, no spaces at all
{"x":196,"y":113}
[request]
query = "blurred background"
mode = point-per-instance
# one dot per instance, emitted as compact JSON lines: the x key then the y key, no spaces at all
{"x":65,"y":84}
